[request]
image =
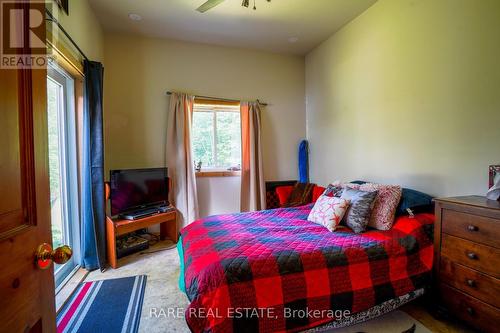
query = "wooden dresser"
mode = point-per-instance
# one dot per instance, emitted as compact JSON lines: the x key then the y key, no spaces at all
{"x":467,"y":260}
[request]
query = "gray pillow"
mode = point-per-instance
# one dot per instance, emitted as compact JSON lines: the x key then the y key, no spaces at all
{"x":358,"y":214}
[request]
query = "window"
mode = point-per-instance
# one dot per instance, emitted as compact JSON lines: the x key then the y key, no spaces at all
{"x":62,"y":165}
{"x":217,"y":136}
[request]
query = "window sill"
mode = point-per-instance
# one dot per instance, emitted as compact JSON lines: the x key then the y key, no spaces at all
{"x":226,"y":173}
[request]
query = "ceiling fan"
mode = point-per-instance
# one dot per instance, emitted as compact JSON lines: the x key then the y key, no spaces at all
{"x":212,"y":3}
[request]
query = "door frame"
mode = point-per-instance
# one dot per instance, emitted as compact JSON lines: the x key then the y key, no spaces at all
{"x":68,"y":169}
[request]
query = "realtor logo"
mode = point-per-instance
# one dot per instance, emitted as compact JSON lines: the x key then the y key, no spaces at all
{"x":22,"y":42}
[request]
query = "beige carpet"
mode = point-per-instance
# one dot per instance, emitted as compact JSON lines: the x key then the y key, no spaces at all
{"x":162,"y":293}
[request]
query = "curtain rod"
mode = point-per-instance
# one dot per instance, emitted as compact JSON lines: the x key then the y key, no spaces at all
{"x":220,"y":99}
{"x":53,"y":19}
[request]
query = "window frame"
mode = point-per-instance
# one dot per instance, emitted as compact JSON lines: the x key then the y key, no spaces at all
{"x":68,"y":164}
{"x":215,"y":107}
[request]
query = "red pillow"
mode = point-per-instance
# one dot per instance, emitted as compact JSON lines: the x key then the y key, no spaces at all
{"x":317,"y":192}
{"x":283,"y":193}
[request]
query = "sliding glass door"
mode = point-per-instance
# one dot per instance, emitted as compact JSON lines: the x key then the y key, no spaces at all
{"x":63,"y":166}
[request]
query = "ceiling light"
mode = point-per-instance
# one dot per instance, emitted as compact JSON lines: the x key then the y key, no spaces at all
{"x":293,"y":40}
{"x":134,"y":17}
{"x":244,"y":3}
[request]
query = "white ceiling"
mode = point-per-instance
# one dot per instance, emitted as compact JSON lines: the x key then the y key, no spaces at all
{"x":267,"y":28}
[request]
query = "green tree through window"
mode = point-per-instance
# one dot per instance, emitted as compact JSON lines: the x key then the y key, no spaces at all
{"x":216,"y":136}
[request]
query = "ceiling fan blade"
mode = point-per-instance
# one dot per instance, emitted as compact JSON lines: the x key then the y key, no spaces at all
{"x":209,"y":5}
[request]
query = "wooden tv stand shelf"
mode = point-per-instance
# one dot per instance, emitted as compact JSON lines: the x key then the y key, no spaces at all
{"x":119,"y":227}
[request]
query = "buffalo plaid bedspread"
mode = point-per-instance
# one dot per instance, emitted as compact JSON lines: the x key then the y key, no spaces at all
{"x":274,"y":271}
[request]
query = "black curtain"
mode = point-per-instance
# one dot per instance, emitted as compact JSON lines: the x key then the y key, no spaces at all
{"x":93,"y":235}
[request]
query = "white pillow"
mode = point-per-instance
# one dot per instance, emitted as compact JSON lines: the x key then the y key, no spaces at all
{"x":328,"y":211}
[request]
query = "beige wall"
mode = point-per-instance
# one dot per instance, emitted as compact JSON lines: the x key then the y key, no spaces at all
{"x":83,"y":26}
{"x":408,"y":92}
{"x":140,"y":70}
{"x":218,"y":195}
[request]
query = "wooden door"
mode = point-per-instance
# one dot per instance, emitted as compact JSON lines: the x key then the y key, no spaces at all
{"x":26,"y":292}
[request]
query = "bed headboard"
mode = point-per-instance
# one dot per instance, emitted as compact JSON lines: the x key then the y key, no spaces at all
{"x":271,"y":197}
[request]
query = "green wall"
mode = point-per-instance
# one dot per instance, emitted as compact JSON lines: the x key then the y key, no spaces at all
{"x":408,"y":93}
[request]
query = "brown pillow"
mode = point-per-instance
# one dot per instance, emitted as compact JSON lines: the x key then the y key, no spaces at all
{"x":301,"y":195}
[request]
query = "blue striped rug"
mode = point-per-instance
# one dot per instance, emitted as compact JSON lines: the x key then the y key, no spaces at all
{"x":104,"y":306}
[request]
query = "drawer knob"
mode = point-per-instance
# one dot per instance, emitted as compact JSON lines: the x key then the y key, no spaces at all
{"x":470,"y":310}
{"x":472,"y":256}
{"x":472,"y":228}
{"x":470,"y":283}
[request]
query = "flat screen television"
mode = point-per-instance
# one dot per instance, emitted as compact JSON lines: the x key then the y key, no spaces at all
{"x":136,"y":189}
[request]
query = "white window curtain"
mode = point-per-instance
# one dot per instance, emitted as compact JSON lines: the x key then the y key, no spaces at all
{"x":252,"y":180}
{"x":179,"y":157}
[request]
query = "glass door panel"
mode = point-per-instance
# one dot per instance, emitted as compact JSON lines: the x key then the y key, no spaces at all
{"x":62,"y":166}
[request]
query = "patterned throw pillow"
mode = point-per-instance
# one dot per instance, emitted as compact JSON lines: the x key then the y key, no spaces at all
{"x":328,"y":211}
{"x":358,"y":215}
{"x":335,"y":189}
{"x":384,"y":209}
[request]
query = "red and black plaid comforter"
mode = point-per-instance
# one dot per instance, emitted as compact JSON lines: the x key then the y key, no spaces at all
{"x":268,"y":271}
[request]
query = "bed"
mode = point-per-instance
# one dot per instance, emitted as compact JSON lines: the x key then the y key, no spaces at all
{"x":274,"y":271}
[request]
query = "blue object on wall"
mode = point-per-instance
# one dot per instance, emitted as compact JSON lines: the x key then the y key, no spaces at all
{"x":304,"y":162}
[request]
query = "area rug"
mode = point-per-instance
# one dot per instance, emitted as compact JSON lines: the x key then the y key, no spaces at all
{"x":107,"y":306}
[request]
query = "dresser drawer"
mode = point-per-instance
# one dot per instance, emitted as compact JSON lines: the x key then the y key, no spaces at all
{"x":476,"y":228}
{"x":479,"y":257}
{"x":474,"y":283}
{"x":478,"y":314}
